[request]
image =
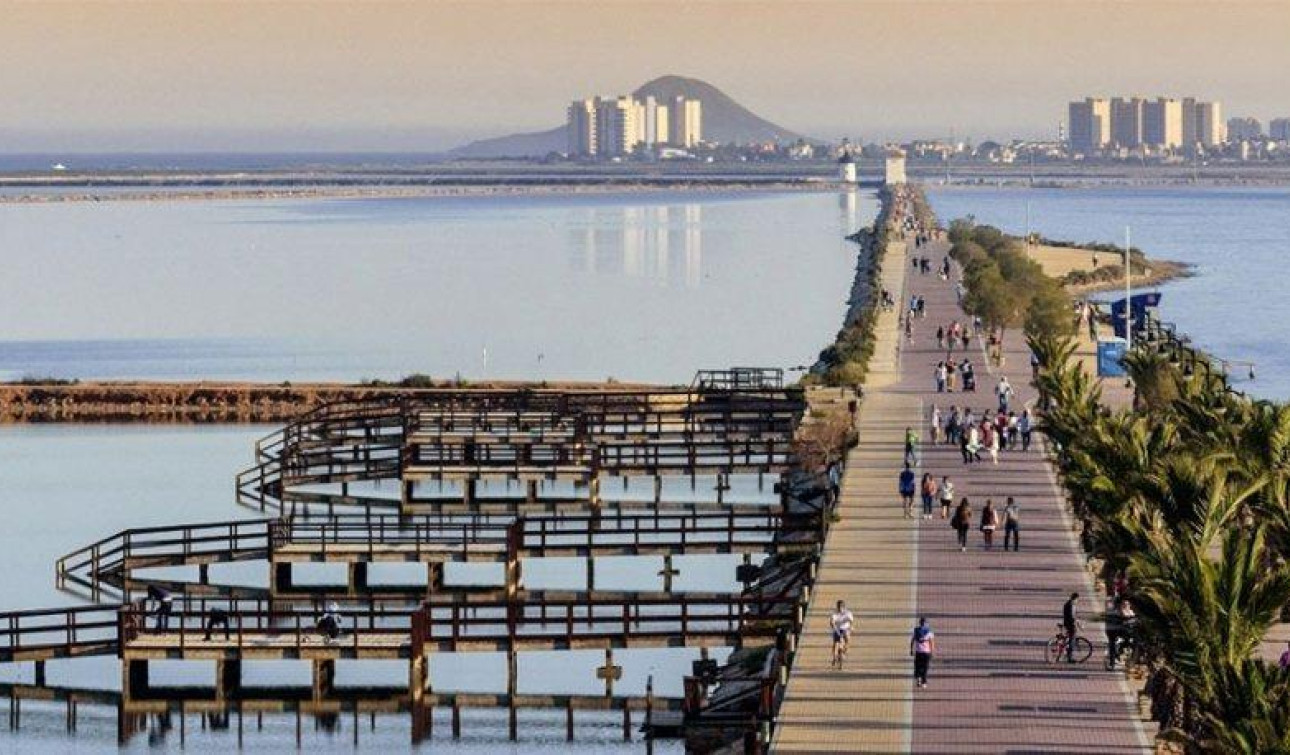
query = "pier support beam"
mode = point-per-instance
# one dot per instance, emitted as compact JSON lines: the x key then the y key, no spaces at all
{"x":324,"y":678}
{"x":282,"y":581}
{"x":531,"y":491}
{"x":434,"y":578}
{"x":406,"y":489}
{"x":40,"y":673}
{"x":357,"y":581}
{"x":228,"y":678}
{"x":204,"y":574}
{"x":134,"y":678}
{"x":418,"y":678}
{"x":512,"y":688}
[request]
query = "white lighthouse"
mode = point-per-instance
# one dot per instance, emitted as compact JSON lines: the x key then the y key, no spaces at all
{"x":847,"y":168}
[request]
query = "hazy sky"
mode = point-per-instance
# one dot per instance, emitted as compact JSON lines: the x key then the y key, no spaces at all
{"x":422,"y":76}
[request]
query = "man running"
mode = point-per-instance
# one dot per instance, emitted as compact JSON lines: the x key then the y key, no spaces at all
{"x":840,"y":622}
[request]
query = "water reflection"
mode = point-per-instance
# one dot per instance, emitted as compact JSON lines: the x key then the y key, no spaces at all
{"x":638,"y":242}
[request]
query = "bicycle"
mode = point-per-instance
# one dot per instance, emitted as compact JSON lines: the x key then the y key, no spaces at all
{"x":1056,"y":649}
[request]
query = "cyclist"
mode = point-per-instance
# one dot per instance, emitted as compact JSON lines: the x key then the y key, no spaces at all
{"x":840,"y":622}
{"x":1071,"y":624}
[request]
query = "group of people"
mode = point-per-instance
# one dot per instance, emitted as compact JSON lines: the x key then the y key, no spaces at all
{"x":1004,"y":430}
{"x":990,"y":521}
{"x":329,"y":624}
{"x":922,"y":642}
{"x":949,"y":372}
{"x":952,"y":335}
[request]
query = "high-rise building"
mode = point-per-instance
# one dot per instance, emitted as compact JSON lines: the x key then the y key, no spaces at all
{"x":1279,"y":130}
{"x":616,"y":130}
{"x":581,"y":128}
{"x":1162,"y":123}
{"x":1190,"y":130}
{"x":686,"y":122}
{"x":1242,"y":129}
{"x":1090,"y":125}
{"x":1126,"y":121}
{"x":1211,"y":130}
{"x":663,"y":128}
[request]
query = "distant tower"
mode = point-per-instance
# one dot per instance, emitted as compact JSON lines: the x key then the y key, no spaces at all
{"x":895,"y":168}
{"x":847,"y":168}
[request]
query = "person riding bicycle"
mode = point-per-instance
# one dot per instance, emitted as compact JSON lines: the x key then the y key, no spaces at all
{"x":1071,"y":625}
{"x":1121,"y":626}
{"x":840,"y":623}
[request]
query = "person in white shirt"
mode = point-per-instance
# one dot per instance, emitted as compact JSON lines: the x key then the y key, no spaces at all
{"x":840,"y":623}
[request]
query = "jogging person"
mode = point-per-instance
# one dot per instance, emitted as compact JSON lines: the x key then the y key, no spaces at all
{"x":908,"y":487}
{"x":840,"y":623}
{"x":922,"y":645}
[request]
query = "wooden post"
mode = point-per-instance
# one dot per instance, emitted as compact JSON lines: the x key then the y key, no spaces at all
{"x":281,"y":577}
{"x":204,"y":574}
{"x":324,"y":678}
{"x":406,"y":490}
{"x":228,"y":678}
{"x":531,"y":491}
{"x":40,"y":673}
{"x":134,"y":678}
{"x":512,"y":688}
{"x":568,"y":721}
{"x":357,"y":577}
{"x":434,"y":578}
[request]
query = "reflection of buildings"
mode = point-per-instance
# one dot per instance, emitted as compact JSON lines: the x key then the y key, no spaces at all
{"x":663,"y":243}
{"x":848,"y":218}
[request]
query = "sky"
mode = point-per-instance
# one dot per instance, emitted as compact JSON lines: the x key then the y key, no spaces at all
{"x":424,"y":76}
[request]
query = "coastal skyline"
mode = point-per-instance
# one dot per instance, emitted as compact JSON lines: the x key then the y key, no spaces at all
{"x":430,"y":76}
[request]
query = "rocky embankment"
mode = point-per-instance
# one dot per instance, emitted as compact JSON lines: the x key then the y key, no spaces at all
{"x":200,"y":402}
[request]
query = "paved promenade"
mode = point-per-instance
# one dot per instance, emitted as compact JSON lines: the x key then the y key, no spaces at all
{"x":990,"y":689}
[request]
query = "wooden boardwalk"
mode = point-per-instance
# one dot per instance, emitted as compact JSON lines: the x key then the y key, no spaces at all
{"x":990,"y":690}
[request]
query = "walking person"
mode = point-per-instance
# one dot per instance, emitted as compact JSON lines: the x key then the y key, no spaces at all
{"x":907,"y":490}
{"x":1025,"y":427}
{"x":911,"y":446}
{"x":1004,"y":391}
{"x":952,"y":426}
{"x":936,"y":424}
{"x":950,"y":369}
{"x":928,"y":489}
{"x":941,"y":377}
{"x":940,"y":337}
{"x":990,"y":439}
{"x":1012,"y":431}
{"x":989,"y":523}
{"x":922,"y":645}
{"x":840,"y":623}
{"x":165,"y":605}
{"x":962,"y":522}
{"x":946,"y":493}
{"x":1012,"y":525}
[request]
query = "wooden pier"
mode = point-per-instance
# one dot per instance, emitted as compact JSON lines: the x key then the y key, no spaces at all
{"x":732,"y":422}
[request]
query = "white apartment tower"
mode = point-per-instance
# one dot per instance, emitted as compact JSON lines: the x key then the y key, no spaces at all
{"x":1211,"y":129}
{"x":581,"y":128}
{"x":687,"y":122}
{"x":1162,"y":123}
{"x":1126,"y":121}
{"x":1090,"y":125}
{"x":616,"y":128}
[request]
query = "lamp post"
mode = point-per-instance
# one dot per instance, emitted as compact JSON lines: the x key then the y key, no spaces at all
{"x":1128,"y":296}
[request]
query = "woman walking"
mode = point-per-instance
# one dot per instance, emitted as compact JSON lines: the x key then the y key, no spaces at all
{"x":1025,"y":427}
{"x":936,"y":424}
{"x":922,"y":645}
{"x":989,"y":523}
{"x":946,"y":491}
{"x":928,"y":488}
{"x":962,"y":522}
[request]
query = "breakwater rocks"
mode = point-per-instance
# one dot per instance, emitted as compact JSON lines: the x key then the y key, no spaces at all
{"x":199,"y":403}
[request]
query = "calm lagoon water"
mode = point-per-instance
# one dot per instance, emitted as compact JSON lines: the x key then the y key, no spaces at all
{"x":643,"y":286}
{"x":1237,"y":239}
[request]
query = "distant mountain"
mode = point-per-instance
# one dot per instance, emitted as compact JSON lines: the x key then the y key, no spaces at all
{"x":724,"y":120}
